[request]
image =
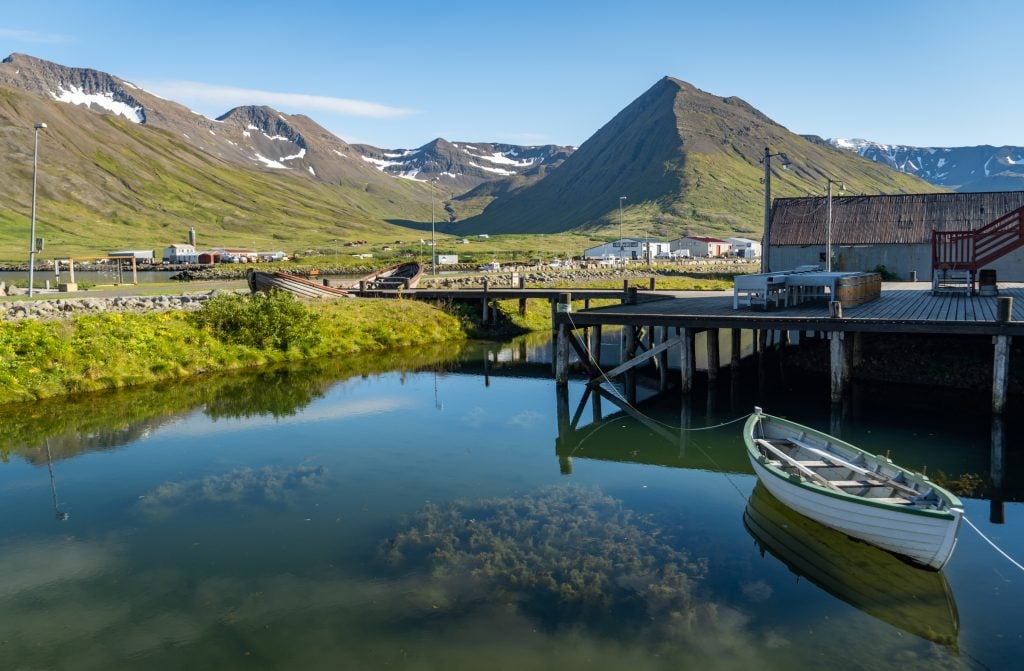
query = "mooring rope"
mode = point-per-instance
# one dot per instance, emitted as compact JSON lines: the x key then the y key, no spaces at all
{"x":989,"y":541}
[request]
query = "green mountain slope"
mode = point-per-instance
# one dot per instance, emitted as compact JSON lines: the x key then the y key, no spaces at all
{"x":105,"y":182}
{"x":687,"y":161}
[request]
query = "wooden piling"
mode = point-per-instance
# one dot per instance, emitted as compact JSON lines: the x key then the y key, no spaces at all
{"x":562,"y":355}
{"x":1000,"y":372}
{"x":736,"y":351}
{"x":486,"y":304}
{"x":839,"y":372}
{"x":663,"y":362}
{"x":685,"y":359}
{"x":595,"y":344}
{"x":522,"y":301}
{"x":1001,"y":357}
{"x":714,"y":362}
{"x":628,"y":352}
{"x":653,"y":282}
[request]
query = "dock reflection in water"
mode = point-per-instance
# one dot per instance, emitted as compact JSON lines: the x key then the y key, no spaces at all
{"x":915,"y":600}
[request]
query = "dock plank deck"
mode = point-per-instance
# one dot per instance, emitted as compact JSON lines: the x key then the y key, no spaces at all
{"x":909,"y":310}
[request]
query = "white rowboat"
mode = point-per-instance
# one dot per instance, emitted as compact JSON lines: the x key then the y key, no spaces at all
{"x":863,"y":495}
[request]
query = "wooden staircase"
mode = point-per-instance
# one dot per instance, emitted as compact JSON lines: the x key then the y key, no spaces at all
{"x":958,"y":255}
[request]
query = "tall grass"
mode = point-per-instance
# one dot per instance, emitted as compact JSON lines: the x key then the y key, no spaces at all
{"x":41,"y":359}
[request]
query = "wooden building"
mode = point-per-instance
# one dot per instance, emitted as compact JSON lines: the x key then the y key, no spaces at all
{"x":892,"y":231}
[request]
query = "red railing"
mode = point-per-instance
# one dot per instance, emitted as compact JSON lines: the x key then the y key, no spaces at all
{"x":970,"y":250}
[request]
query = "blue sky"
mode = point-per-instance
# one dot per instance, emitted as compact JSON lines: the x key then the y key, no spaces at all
{"x":397,"y":74}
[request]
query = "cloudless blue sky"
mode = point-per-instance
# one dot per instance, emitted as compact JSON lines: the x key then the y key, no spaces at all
{"x":918,"y":72}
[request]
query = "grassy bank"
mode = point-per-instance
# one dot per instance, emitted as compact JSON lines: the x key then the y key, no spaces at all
{"x":45,"y":359}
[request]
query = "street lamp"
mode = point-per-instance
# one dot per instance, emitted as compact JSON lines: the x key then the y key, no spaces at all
{"x":621,"y":252}
{"x":766,"y":160}
{"x":32,"y":230}
{"x":828,"y":230}
{"x":433,"y":247}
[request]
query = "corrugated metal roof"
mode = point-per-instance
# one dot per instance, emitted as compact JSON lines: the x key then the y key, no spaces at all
{"x":896,"y":219}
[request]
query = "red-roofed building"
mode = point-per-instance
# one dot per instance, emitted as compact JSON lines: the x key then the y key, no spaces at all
{"x":699,"y":245}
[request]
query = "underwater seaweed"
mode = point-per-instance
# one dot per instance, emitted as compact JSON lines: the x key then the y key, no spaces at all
{"x":565,"y":555}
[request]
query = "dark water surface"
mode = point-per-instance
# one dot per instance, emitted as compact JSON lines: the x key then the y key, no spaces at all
{"x":422,"y":511}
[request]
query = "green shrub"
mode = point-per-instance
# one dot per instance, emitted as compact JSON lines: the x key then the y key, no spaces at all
{"x":275,"y":320}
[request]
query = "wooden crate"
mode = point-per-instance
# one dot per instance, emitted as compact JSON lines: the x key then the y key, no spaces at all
{"x":858,"y":289}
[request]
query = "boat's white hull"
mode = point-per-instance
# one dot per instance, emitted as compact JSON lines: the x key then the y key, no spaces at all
{"x":903,"y":512}
{"x":928,"y":540}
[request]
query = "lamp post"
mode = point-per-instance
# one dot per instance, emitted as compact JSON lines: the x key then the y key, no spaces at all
{"x":766,"y":160}
{"x":433,"y":246}
{"x":621,"y":252}
{"x":32,"y":229}
{"x":828,"y":229}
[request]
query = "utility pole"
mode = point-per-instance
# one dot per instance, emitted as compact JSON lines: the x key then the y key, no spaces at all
{"x":828,"y":230}
{"x":433,"y":245}
{"x":621,"y":252}
{"x":766,"y":160}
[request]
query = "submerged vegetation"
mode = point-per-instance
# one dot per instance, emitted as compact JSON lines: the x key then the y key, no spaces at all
{"x":564,"y":556}
{"x":40,"y":359}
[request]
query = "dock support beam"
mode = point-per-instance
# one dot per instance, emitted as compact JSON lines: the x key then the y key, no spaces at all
{"x":685,"y":360}
{"x":840,"y":369}
{"x":564,"y":306}
{"x":1000,"y":373}
{"x":736,"y":352}
{"x":714,"y":360}
{"x":663,"y":362}
{"x":1001,"y":358}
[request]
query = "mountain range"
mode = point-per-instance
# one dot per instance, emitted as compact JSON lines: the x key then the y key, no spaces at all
{"x":121,"y":167}
{"x":980,"y":168}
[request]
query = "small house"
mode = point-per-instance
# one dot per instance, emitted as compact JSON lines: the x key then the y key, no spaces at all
{"x":180,"y":253}
{"x":700,"y":245}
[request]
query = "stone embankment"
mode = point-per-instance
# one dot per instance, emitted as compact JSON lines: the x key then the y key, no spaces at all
{"x":66,"y":308}
{"x":534,"y":276}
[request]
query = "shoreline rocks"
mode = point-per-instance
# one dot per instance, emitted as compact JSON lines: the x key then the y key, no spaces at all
{"x":66,"y":308}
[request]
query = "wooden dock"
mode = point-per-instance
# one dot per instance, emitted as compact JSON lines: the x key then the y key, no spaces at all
{"x":898,"y":310}
{"x":647,"y":315}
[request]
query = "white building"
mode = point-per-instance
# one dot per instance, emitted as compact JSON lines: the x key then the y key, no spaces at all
{"x":180,"y":253}
{"x":745,"y":248}
{"x":143,"y":255}
{"x":699,"y":245}
{"x":630,"y":249}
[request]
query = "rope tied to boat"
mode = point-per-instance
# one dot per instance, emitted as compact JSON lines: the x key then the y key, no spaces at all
{"x":990,"y":542}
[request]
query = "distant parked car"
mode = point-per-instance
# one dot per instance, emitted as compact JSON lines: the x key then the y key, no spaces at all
{"x":490,"y":267}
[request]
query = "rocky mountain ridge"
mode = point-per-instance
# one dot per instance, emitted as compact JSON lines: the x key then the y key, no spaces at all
{"x":973,"y":169}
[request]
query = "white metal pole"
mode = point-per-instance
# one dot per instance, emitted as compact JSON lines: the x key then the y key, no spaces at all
{"x":433,"y":243}
{"x":32,"y":227}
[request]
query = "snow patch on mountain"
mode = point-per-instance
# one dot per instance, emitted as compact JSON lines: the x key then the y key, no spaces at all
{"x":76,"y":96}
{"x":271,"y":163}
{"x":496,"y":171}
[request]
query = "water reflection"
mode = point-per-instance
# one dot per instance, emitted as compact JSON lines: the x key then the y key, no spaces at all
{"x":326,"y":516}
{"x":915,"y":600}
{"x":106,"y":420}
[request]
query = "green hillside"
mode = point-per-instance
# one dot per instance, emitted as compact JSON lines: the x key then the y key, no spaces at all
{"x":687,"y":161}
{"x":105,"y":183}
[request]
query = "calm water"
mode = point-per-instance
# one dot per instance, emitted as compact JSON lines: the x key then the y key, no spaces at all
{"x":421,"y":511}
{"x":90,"y":277}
